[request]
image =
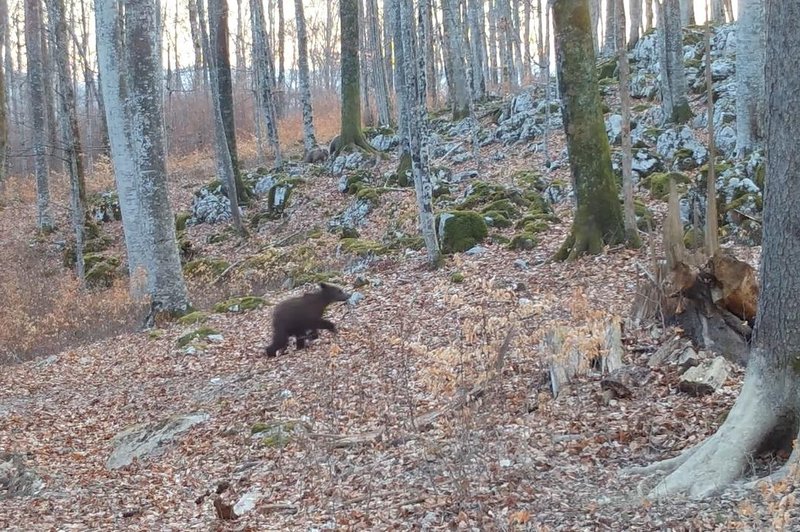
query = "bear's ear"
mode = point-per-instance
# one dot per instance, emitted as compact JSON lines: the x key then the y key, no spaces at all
{"x":324,"y":286}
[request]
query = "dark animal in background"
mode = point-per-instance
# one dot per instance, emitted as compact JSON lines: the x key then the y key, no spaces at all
{"x":317,"y":155}
{"x":335,"y":146}
{"x":301,"y":317}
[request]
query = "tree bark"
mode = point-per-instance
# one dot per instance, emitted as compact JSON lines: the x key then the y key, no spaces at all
{"x":598,"y":217}
{"x":674,"y":102}
{"x":33,"y":44}
{"x":3,"y":97}
{"x":265,"y":79}
{"x":459,"y":95}
{"x":769,"y":402}
{"x":70,"y":133}
{"x":750,"y":97}
{"x":609,"y":46}
{"x":687,"y":13}
{"x":636,"y":23}
{"x":132,"y":84}
{"x":351,"y":85}
{"x":219,"y":37}
{"x":382,"y":102}
{"x":629,"y":213}
{"x":309,"y":138}
{"x":225,"y":168}
{"x":414,"y":96}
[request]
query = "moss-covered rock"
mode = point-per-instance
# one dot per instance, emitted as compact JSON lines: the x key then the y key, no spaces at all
{"x":362,"y":247}
{"x":193,"y":318}
{"x":100,"y":269}
{"x":276,"y":434}
{"x":496,"y":219}
{"x":461,"y":230}
{"x":180,"y":220}
{"x":694,"y":238}
{"x":523,"y":241}
{"x":644,"y":218}
{"x":371,"y":194}
{"x":240,"y":304}
{"x":529,"y":179}
{"x":658,"y":183}
{"x":457,"y":277}
{"x":357,"y":180}
{"x":607,"y":69}
{"x":201,"y":333}
{"x":205,"y":267}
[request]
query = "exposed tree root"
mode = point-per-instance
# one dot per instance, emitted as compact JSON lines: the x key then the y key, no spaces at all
{"x":721,"y":459}
{"x":790,"y":469}
{"x":664,"y":466}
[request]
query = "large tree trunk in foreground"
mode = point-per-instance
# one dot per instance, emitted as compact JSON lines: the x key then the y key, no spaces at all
{"x":598,"y":217}
{"x":132,"y":86}
{"x":770,"y":398}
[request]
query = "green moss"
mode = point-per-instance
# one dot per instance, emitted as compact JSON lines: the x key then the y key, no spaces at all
{"x":462,"y":230}
{"x":91,"y":230}
{"x":529,"y":179}
{"x":761,"y":171}
{"x":415,"y":242}
{"x":496,"y":219}
{"x":694,"y":238}
{"x":644,"y":218}
{"x":97,"y":244}
{"x":240,"y":304}
{"x":274,"y":434}
{"x":684,"y":153}
{"x":402,"y":176}
{"x":523,"y":241}
{"x":193,"y":318}
{"x":457,"y":277}
{"x":692,"y":63}
{"x":199,"y":334}
{"x":155,"y":334}
{"x":205,"y":267}
{"x":363,"y":247}
{"x":607,"y":69}
{"x":640,"y":108}
{"x":503,"y":206}
{"x":371,"y":194}
{"x":658,"y":183}
{"x":180,"y":220}
{"x":357,"y":180}
{"x":100,"y":269}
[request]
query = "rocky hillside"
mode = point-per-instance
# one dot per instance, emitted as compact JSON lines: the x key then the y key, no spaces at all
{"x":432,"y":407}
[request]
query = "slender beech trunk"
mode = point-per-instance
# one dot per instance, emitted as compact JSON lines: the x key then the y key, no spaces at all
{"x":309,"y":139}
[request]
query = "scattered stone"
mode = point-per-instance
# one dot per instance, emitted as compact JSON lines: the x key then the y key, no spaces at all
{"x":150,"y":439}
{"x":17,"y":479}
{"x":705,"y":378}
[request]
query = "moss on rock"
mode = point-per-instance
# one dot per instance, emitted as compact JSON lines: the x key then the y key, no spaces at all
{"x":461,"y":230}
{"x":240,"y":304}
{"x":362,"y":247}
{"x":199,"y":334}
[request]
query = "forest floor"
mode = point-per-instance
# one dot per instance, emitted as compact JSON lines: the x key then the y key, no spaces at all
{"x":355,"y":453}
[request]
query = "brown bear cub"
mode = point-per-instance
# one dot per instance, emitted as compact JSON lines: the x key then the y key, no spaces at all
{"x":301,"y":317}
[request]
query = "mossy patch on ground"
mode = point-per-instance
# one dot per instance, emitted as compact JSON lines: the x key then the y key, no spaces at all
{"x":193,"y":318}
{"x":240,"y":304}
{"x":362,"y":247}
{"x":198,"y":334}
{"x":205,"y":267}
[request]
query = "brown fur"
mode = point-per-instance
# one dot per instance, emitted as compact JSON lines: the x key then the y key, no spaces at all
{"x":317,"y":155}
{"x":301,"y":317}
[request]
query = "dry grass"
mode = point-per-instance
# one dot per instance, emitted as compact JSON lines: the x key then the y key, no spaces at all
{"x":43,"y":309}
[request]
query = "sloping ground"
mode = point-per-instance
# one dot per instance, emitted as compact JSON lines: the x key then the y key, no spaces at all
{"x":513,"y":460}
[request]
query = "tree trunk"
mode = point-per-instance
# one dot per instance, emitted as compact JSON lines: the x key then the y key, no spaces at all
{"x":629,"y":213}
{"x":609,"y":46}
{"x":194,"y":28}
{"x":70,"y":133}
{"x":717,"y":12}
{"x":382,"y":102}
{"x":712,"y":225}
{"x":594,"y":20}
{"x":674,"y":102}
{"x":459,"y":96}
{"x":3,"y":98}
{"x":540,"y":34}
{"x":414,"y":96}
{"x":769,"y":402}
{"x":225,"y":169}
{"x":426,"y":27}
{"x":492,"y":62}
{"x":241,"y":62}
{"x":309,"y":139}
{"x":401,"y":90}
{"x":476,"y":41}
{"x":280,"y":104}
{"x":687,"y":13}
{"x":265,"y":80}
{"x":48,"y":90}
{"x":132,"y":84}
{"x":351,"y":85}
{"x":636,"y":23}
{"x":648,"y":15}
{"x":750,"y":95}
{"x":526,"y":37}
{"x":33,"y":44}
{"x":219,"y":42}
{"x":388,"y":44}
{"x":598,"y":217}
